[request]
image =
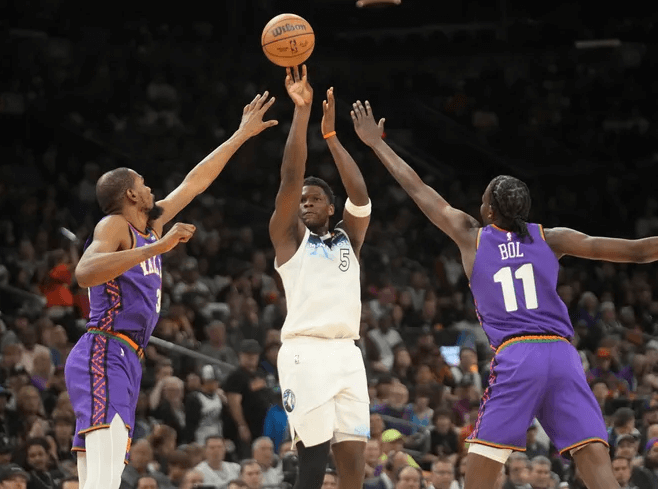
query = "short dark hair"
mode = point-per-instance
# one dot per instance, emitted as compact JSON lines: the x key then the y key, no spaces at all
{"x":213,"y":437}
{"x":318,"y":182}
{"x":510,"y":197}
{"x":246,"y":462}
{"x":147,"y":477}
{"x":621,"y":457}
{"x":623,"y":416}
{"x":111,"y":189}
{"x":441,"y":412}
{"x":237,"y":482}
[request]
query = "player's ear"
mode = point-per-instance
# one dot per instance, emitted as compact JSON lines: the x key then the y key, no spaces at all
{"x":332,"y":209}
{"x":131,"y":195}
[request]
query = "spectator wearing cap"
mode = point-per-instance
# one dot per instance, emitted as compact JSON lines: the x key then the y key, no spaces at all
{"x":623,"y":424}
{"x":204,"y":408}
{"x":12,"y":476}
{"x":249,"y":398}
{"x":626,"y":447}
{"x":392,"y":442}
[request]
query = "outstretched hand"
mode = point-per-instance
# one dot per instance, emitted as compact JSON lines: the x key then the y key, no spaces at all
{"x":298,"y":87}
{"x":251,"y":121}
{"x":329,"y":109}
{"x":365,"y":126}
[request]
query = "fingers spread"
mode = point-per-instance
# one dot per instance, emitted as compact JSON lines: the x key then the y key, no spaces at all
{"x":368,"y":109}
{"x":353,"y":114}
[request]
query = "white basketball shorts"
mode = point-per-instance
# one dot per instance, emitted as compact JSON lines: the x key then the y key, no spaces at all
{"x":325,"y":390}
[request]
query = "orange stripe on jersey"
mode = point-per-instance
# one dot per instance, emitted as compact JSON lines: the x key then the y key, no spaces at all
{"x":584,"y":442}
{"x":497,"y":445}
{"x":480,"y":231}
{"x":542,"y":232}
{"x":500,"y":229}
{"x":530,"y":339}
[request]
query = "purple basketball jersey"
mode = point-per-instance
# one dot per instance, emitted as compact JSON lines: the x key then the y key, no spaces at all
{"x":130,"y":303}
{"x":514,"y":286}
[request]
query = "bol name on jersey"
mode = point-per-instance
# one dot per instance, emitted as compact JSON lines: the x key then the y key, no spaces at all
{"x":514,"y":286}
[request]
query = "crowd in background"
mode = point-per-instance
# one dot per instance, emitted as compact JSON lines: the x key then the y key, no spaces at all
{"x":88,"y":106}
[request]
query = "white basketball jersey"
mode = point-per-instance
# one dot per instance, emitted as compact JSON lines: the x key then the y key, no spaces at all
{"x":322,"y":288}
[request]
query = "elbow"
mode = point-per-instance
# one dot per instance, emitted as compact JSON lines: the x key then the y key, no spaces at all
{"x":83,"y":277}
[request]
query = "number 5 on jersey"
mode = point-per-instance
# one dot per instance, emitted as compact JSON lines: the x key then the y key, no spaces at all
{"x":524,"y":273}
{"x":344,"y":260}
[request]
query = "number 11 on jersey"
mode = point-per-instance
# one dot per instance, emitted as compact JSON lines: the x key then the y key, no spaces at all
{"x":524,"y":273}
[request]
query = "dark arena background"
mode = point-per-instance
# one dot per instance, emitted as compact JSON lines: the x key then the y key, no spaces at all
{"x":562,"y":95}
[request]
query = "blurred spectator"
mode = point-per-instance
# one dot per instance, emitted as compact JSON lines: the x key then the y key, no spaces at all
{"x":541,"y":472}
{"x":12,"y":476}
{"x":215,"y":346}
{"x":192,"y":479}
{"x":177,"y":465}
{"x":204,"y":408}
{"x":518,"y":470}
{"x":141,"y":457}
{"x":214,"y":469}
{"x":39,"y":463}
{"x":408,"y":478}
{"x":622,"y":471}
{"x":251,"y":473}
{"x":443,"y":475}
{"x":443,"y":437}
{"x":385,"y":338}
{"x":533,"y":447}
{"x":263,"y":453}
{"x":167,"y":405}
{"x":467,"y":369}
{"x":248,"y":396}
{"x":330,"y":479}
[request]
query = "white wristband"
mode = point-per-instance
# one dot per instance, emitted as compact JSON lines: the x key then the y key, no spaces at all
{"x":358,"y":211}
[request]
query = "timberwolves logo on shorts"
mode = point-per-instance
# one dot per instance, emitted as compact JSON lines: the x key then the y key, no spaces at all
{"x":289,"y":401}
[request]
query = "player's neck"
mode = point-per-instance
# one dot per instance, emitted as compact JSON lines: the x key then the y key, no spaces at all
{"x":320,"y":231}
{"x":136,"y":218}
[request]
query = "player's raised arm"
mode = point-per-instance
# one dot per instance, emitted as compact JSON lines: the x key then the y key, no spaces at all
{"x":455,"y":223}
{"x":356,"y":215}
{"x":205,"y":172}
{"x":285,"y":228}
{"x":109,"y":254}
{"x":565,"y":241}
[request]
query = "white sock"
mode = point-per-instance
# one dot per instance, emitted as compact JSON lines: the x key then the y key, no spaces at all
{"x":105,"y":454}
{"x":81,"y":463}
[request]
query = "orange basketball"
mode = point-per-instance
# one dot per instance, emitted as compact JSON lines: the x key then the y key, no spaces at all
{"x":288,"y":40}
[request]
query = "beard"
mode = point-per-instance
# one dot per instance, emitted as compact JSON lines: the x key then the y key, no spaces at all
{"x":154,"y":213}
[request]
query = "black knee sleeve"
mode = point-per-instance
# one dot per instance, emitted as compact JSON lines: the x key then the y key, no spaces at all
{"x":312,"y":465}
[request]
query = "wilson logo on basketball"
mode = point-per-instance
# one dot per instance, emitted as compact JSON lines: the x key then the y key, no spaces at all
{"x":287,"y":28}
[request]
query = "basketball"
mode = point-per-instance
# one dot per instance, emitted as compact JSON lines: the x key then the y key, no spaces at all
{"x":288,"y":40}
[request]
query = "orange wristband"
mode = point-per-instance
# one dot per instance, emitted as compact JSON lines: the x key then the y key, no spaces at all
{"x":327,"y":136}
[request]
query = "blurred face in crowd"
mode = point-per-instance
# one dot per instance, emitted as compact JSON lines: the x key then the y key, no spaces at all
{"x":140,"y":455}
{"x":11,"y":355}
{"x":468,"y":358}
{"x":409,"y":478}
{"x":442,"y":475}
{"x":402,"y":358}
{"x":193,"y":382}
{"x":264,"y":453}
{"x":330,"y":481}
{"x":70,"y":485}
{"x":518,"y":472}
{"x":627,"y":449}
{"x":652,"y":454}
{"x":191,"y":479}
{"x":63,"y":430}
{"x":600,"y":391}
{"x":399,"y":396}
{"x":252,"y":476}
{"x":531,"y":436}
{"x":249,"y":361}
{"x":15,"y":482}
{"x":215,"y":451}
{"x":540,"y":475}
{"x":147,"y":483}
{"x":37,"y":457}
{"x":622,"y":470}
{"x":173,"y":390}
{"x":442,"y":423}
{"x":372,"y":452}
{"x":28,"y":400}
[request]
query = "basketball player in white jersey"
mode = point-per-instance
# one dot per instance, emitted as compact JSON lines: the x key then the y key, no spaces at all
{"x":322,"y":376}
